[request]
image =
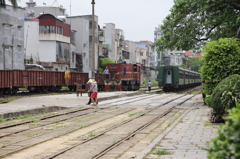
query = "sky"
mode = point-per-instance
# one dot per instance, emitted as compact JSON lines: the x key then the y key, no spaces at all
{"x":137,"y":18}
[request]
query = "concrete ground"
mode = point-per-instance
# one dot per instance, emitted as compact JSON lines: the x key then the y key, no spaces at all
{"x":185,"y":138}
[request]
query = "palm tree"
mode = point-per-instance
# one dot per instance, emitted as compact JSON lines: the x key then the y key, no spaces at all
{"x":3,"y":4}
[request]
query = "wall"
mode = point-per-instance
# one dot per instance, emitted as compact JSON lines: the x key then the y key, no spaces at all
{"x":47,"y":51}
{"x":31,"y":40}
{"x":11,"y":38}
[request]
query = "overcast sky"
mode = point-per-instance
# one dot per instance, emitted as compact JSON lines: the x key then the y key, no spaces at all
{"x":137,"y":18}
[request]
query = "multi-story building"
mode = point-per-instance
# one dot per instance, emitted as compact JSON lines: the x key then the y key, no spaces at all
{"x":47,"y":42}
{"x":11,"y":38}
{"x":146,"y":53}
{"x":83,"y":27}
{"x":109,"y":36}
{"x":120,"y":54}
{"x":134,"y":55}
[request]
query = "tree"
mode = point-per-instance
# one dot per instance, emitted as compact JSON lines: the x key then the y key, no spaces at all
{"x":220,"y":61}
{"x":192,"y":63}
{"x":191,"y":23}
{"x":3,"y":4}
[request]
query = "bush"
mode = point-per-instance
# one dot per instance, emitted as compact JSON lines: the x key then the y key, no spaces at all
{"x":225,"y":95}
{"x":226,"y":144}
{"x":154,"y":83}
{"x":104,"y":62}
{"x":221,"y":59}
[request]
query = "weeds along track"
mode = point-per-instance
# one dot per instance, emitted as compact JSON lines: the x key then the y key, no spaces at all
{"x":42,"y":128}
{"x":65,"y":114}
{"x":101,"y":143}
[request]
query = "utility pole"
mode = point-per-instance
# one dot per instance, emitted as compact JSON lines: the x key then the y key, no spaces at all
{"x":92,"y":54}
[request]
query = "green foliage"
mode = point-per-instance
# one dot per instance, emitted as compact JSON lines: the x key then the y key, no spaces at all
{"x":103,"y":63}
{"x":192,"y":63}
{"x":225,"y":95}
{"x":221,"y":60}
{"x":191,"y":23}
{"x":226,"y":144}
{"x":154,"y":83}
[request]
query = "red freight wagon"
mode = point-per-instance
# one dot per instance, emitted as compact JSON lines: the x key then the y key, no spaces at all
{"x":123,"y":77}
{"x":6,"y":78}
{"x":35,"y":80}
{"x":77,"y":77}
{"x":54,"y":80}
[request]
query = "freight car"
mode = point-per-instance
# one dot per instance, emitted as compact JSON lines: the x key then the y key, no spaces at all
{"x":173,"y":78}
{"x":123,"y":77}
{"x":37,"y":80}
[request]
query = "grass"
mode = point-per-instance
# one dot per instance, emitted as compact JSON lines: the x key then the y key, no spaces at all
{"x":130,"y":115}
{"x":55,"y":120}
{"x":161,"y":152}
{"x":195,"y":92}
{"x":36,"y":120}
{"x":8,"y":100}
{"x":91,"y":135}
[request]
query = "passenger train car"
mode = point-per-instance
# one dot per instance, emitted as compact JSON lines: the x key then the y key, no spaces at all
{"x":173,"y":78}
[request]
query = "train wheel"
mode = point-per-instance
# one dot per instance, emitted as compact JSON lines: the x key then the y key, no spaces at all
{"x":1,"y":93}
{"x":14,"y":91}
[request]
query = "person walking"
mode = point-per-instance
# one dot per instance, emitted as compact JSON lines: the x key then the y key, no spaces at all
{"x":149,"y":85}
{"x":94,"y":93}
{"x":89,"y":93}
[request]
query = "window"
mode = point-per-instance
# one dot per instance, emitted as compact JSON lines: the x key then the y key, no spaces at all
{"x":7,"y":26}
{"x":59,"y":30}
{"x":141,"y":53}
{"x":46,"y":29}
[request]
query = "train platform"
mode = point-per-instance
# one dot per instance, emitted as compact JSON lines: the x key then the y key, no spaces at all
{"x":186,"y":137}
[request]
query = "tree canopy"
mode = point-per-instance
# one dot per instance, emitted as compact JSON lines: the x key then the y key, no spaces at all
{"x":191,"y":23}
{"x":192,"y":63}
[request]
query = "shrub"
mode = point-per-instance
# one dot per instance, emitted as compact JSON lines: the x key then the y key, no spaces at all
{"x":221,"y":59}
{"x":225,"y":95}
{"x":226,"y":144}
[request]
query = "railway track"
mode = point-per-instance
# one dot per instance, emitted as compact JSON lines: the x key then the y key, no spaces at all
{"x":109,"y":110}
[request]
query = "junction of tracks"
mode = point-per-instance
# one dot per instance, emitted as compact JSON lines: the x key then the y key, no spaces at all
{"x":124,"y":125}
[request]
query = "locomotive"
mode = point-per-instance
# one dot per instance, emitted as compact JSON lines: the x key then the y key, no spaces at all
{"x":173,"y":78}
{"x":123,"y":77}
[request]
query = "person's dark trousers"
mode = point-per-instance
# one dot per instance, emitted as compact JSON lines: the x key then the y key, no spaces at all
{"x":89,"y":102}
{"x":149,"y":89}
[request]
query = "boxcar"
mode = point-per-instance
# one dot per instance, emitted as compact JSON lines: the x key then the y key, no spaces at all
{"x":77,"y":77}
{"x":172,"y":78}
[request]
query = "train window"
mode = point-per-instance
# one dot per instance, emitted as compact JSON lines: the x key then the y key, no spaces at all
{"x":124,"y":71}
{"x":135,"y":68}
{"x":169,"y":72}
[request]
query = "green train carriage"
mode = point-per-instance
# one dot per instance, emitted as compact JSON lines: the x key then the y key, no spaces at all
{"x":173,"y":78}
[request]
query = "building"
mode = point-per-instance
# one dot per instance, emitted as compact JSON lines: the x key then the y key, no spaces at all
{"x":54,"y":9}
{"x":83,"y":26}
{"x":47,"y":42}
{"x":146,"y":52}
{"x":109,"y":36}
{"x":11,"y":38}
